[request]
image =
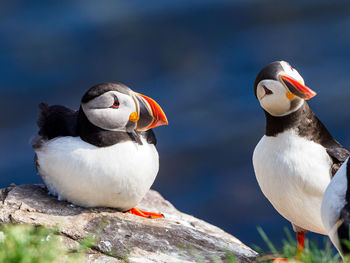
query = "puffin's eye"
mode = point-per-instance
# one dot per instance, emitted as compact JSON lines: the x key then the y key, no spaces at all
{"x":267,"y":91}
{"x":116,"y":103}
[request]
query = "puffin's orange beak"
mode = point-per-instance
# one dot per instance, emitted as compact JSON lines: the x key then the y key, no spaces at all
{"x":151,"y":114}
{"x":297,"y":88}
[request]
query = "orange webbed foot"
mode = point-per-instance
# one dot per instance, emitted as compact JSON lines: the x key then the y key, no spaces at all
{"x":278,"y":260}
{"x":138,"y":212}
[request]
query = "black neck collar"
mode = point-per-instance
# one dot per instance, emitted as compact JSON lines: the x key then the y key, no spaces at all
{"x":304,"y":122}
{"x":276,"y":125}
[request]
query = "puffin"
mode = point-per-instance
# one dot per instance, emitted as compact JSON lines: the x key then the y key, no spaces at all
{"x":335,"y":209}
{"x":297,"y":157}
{"x":104,"y":154}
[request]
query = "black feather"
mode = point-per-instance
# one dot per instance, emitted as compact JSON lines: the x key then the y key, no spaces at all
{"x":99,"y":89}
{"x":151,"y":137}
{"x":56,"y":120}
{"x":269,"y":72}
{"x":338,"y":155}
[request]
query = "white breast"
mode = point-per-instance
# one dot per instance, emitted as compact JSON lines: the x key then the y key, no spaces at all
{"x":333,"y":202}
{"x":116,"y":176}
{"x":293,"y":174}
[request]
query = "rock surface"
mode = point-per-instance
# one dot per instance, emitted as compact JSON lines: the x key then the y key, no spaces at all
{"x":124,"y":237}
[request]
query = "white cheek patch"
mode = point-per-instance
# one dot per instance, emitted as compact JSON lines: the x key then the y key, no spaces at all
{"x":100,"y":102}
{"x":105,"y":117}
{"x":108,"y":119}
{"x":277,"y":103}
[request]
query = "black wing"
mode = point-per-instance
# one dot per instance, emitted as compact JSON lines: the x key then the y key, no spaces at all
{"x":338,"y":154}
{"x":56,"y":120}
{"x":314,"y":129}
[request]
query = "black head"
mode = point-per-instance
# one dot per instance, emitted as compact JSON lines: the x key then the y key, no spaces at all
{"x":270,"y":71}
{"x":280,"y":89}
{"x":102,"y":88}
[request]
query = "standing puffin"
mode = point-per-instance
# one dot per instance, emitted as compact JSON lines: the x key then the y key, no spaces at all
{"x":104,"y":154}
{"x":335,"y":209}
{"x":296,"y":158}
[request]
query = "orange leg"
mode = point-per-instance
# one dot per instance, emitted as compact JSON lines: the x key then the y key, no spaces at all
{"x":301,"y":243}
{"x":301,"y":240}
{"x":138,"y":212}
{"x":300,"y":249}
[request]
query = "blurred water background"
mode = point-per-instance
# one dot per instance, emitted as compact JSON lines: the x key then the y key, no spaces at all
{"x":198,"y":59}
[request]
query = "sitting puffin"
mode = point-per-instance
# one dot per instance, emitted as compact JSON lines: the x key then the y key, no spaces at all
{"x":297,"y":157}
{"x":335,"y":209}
{"x":104,"y":154}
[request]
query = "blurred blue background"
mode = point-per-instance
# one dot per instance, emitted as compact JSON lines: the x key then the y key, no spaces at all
{"x":198,"y":59}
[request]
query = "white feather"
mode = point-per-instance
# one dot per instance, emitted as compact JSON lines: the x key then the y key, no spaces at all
{"x":333,"y":202}
{"x":116,"y":176}
{"x":293,"y":174}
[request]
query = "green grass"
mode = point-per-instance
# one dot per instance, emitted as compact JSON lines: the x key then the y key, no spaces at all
{"x":29,"y":244}
{"x":312,"y":253}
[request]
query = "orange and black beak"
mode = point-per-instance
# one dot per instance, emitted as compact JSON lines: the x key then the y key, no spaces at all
{"x":296,"y":87}
{"x":150,"y":114}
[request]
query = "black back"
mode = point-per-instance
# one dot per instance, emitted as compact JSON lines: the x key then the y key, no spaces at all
{"x":56,"y":121}
{"x":343,"y":230}
{"x":310,"y":127}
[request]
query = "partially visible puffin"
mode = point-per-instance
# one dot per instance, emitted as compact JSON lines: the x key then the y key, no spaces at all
{"x":297,"y":157}
{"x":104,"y":154}
{"x":335,"y":209}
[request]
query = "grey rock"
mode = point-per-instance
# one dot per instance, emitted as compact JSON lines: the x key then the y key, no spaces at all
{"x":124,"y":237}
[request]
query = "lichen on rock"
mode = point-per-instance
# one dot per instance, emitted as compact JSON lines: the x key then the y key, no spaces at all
{"x":124,"y":237}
